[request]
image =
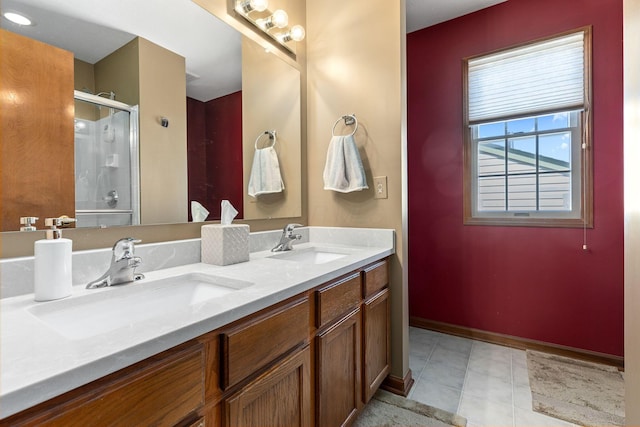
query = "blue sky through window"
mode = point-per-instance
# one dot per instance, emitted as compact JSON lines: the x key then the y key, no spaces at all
{"x":554,"y":146}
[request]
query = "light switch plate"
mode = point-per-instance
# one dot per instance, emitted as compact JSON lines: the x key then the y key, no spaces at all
{"x":380,"y":187}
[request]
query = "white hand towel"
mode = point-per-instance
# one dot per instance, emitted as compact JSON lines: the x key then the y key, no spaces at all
{"x":343,"y":171}
{"x":265,"y":173}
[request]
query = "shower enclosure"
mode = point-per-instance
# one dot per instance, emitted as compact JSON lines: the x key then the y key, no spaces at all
{"x":106,"y":162}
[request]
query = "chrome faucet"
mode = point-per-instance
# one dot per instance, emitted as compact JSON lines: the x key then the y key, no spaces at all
{"x":287,"y":238}
{"x":123,"y":264}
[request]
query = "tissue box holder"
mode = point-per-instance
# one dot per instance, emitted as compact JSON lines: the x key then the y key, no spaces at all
{"x":224,"y":244}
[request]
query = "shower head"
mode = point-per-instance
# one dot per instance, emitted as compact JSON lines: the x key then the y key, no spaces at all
{"x":112,"y":95}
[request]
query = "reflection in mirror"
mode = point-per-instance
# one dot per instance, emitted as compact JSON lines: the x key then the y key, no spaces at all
{"x":271,"y":101}
{"x":191,"y":39}
{"x":106,"y":161}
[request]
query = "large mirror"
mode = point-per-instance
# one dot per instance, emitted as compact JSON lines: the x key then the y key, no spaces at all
{"x":198,"y":134}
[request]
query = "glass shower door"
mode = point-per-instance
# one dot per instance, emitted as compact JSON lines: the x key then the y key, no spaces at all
{"x":106,"y":162}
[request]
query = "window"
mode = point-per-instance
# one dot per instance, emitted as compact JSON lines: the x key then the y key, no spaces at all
{"x":527,"y":150}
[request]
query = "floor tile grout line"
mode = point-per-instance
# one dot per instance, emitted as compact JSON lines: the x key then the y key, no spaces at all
{"x":466,"y":373}
{"x":424,"y":366}
{"x":431,"y":350}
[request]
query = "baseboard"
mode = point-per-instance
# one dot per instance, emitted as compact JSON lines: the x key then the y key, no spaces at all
{"x":398,"y":385}
{"x":516,"y":342}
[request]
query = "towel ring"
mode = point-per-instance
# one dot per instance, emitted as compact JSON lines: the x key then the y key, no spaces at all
{"x":349,"y":119}
{"x":272,"y":136}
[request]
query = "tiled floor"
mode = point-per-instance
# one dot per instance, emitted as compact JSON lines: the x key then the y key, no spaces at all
{"x":486,"y":383}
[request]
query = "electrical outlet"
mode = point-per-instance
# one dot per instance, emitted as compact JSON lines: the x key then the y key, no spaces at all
{"x":380,"y":187}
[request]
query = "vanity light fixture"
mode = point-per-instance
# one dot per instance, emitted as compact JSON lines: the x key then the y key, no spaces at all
{"x":265,"y":20}
{"x":17,"y":18}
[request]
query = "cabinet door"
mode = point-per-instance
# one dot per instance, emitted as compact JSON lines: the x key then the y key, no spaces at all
{"x":338,"y":372}
{"x":377,"y":350}
{"x":279,"y":397}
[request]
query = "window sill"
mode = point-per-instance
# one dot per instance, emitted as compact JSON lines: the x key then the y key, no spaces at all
{"x":529,"y":222}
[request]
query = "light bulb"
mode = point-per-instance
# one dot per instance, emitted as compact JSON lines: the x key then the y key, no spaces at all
{"x":248,"y":6}
{"x":297,"y":33}
{"x":280,"y":18}
{"x":259,"y":5}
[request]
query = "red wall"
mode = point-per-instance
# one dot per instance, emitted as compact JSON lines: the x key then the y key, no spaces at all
{"x":533,"y":283}
{"x":214,"y":151}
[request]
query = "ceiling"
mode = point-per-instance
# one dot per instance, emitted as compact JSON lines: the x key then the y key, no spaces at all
{"x":425,"y":13}
{"x":94,"y":28}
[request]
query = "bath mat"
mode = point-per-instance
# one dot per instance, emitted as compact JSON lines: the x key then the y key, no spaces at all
{"x":389,"y":410}
{"x":584,"y":393}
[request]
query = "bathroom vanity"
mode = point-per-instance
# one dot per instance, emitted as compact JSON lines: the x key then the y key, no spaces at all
{"x":303,"y":339}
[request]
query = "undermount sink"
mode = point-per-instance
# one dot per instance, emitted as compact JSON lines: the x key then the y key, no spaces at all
{"x":94,"y":314}
{"x":313,"y":255}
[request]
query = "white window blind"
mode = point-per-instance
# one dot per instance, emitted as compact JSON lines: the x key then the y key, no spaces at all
{"x":544,"y":76}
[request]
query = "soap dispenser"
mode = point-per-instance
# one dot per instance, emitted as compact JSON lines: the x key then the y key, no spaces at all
{"x":52,"y":264}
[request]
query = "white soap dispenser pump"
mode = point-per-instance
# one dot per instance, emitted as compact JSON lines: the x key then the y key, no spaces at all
{"x":52,"y":266}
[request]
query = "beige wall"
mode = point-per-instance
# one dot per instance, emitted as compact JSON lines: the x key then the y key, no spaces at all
{"x":83,"y":76}
{"x":84,"y":80}
{"x":632,"y":209}
{"x":355,"y":65}
{"x":119,"y":72}
{"x":271,"y":101}
{"x":163,"y":151}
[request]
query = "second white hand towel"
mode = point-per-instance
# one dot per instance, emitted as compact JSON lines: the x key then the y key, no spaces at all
{"x":265,"y":173}
{"x":343,"y":171}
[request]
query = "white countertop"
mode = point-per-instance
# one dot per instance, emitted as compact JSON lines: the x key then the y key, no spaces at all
{"x":38,"y":363}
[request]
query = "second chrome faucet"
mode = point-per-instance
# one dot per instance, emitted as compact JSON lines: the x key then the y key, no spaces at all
{"x":287,"y":238}
{"x":123,"y":264}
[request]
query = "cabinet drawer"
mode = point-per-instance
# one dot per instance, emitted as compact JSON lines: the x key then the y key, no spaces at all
{"x":256,"y":343}
{"x":376,"y":277}
{"x":160,"y":395}
{"x":337,"y":298}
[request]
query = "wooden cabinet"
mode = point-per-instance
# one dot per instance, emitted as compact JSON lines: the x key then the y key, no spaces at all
{"x":376,"y":356}
{"x":279,"y":397}
{"x":165,"y":390}
{"x":338,"y":357}
{"x":314,"y":359}
{"x":376,"y":360}
{"x":254,"y":344}
{"x":337,"y":298}
{"x":338,"y":372}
